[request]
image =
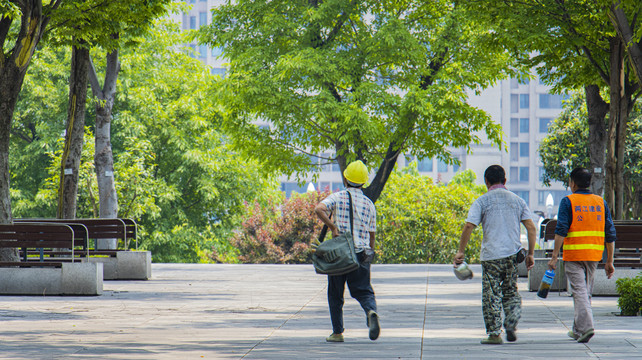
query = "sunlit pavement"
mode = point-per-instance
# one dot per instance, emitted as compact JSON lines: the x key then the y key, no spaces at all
{"x":280,"y":312}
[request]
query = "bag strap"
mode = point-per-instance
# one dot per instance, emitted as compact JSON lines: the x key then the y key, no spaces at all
{"x":324,"y":230}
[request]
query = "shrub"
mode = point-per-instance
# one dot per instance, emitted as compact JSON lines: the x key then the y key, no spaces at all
{"x":280,"y":231}
{"x":420,"y":221}
{"x":630,"y":291}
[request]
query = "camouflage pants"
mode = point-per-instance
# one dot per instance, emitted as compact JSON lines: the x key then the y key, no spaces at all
{"x":499,"y":290}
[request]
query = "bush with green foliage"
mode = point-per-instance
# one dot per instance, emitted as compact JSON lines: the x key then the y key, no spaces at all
{"x":420,"y":221}
{"x":630,"y":291}
{"x":280,"y":230}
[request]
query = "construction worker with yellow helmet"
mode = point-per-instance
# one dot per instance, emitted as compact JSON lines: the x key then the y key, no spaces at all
{"x":364,"y":226}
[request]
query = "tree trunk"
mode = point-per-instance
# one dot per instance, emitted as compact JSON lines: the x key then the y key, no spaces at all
{"x":13,"y":67}
{"x":103,"y":157}
{"x":620,"y":102}
{"x":597,"y":110}
{"x":374,"y":190}
{"x":70,"y":163}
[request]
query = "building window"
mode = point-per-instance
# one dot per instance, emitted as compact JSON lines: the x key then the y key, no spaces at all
{"x":424,"y":165}
{"x":523,"y":174}
{"x":442,"y":167}
{"x":551,"y":101}
{"x":337,"y":186}
{"x":514,"y":103}
{"x":523,"y":195}
{"x":192,"y":51}
{"x":217,"y":51}
{"x":524,"y":81}
{"x":558,"y":195}
{"x":544,"y":123}
{"x":202,"y":51}
{"x":202,"y":18}
{"x":523,"y":125}
{"x":541,"y":174}
{"x":514,"y":127}
{"x":523,"y":149}
{"x":219,"y":71}
{"x":455,"y":167}
{"x":326,"y":165}
{"x":514,"y":174}
{"x":514,"y":151}
{"x":289,"y":187}
{"x":192,"y":22}
{"x":523,"y":101}
{"x":514,"y":83}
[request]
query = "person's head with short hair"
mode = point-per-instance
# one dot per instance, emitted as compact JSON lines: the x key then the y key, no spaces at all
{"x":494,"y":175}
{"x":581,"y":177}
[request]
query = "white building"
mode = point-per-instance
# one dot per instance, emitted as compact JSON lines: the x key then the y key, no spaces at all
{"x":524,"y":110}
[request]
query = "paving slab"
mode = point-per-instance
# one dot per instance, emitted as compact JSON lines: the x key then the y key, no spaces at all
{"x":219,"y":311}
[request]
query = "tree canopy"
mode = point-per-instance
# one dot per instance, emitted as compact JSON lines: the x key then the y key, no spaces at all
{"x":346,"y":80}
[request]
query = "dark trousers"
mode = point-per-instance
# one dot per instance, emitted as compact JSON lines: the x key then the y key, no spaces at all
{"x":360,"y":289}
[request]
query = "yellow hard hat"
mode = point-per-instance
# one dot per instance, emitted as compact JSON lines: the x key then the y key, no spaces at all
{"x":356,"y":173}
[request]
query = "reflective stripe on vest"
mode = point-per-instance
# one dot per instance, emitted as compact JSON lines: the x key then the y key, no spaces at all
{"x":585,"y":238}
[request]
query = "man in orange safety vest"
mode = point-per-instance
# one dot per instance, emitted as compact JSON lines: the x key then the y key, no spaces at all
{"x":584,"y":226}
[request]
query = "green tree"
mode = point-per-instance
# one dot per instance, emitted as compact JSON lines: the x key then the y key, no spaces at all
{"x":566,"y":147}
{"x":420,"y":221}
{"x":576,"y":47}
{"x":175,"y":172}
{"x":362,"y":79}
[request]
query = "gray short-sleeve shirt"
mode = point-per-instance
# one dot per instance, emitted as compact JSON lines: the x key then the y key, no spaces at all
{"x":500,"y":212}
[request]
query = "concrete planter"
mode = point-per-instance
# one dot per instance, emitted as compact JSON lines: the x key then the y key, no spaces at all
{"x":78,"y":278}
{"x":126,"y":265}
{"x":537,"y":272}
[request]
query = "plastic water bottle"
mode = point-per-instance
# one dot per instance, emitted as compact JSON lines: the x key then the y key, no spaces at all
{"x":545,"y":285}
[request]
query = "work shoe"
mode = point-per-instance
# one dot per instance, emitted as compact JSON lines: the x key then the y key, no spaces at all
{"x":373,"y":325}
{"x":493,"y":340}
{"x":584,"y":338}
{"x":572,"y":335}
{"x":334,"y":338}
{"x":511,"y":336}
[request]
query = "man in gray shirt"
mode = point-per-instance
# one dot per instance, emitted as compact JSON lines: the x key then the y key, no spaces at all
{"x":500,"y":212}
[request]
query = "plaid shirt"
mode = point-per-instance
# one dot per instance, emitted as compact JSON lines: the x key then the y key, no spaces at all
{"x":364,"y":215}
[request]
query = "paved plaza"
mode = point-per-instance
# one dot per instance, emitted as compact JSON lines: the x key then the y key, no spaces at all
{"x":192,"y":311}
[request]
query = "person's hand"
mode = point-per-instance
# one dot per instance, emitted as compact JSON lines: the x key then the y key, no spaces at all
{"x":552,"y":263}
{"x":530,"y":262}
{"x":458,"y":259}
{"x":314,"y":245}
{"x":335,"y":232}
{"x":609,"y":269}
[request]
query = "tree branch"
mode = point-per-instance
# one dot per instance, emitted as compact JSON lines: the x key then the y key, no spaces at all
{"x":625,"y":32}
{"x":93,"y":81}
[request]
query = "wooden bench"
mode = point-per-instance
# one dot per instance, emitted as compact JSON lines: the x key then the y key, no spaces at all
{"x":44,"y":244}
{"x":627,"y":246}
{"x":118,"y":264}
{"x":122,"y":229}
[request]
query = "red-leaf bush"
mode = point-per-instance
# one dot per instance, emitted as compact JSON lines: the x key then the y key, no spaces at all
{"x":280,"y":232}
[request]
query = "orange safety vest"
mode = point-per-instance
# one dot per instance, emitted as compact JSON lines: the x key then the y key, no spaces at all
{"x":585,"y":238}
